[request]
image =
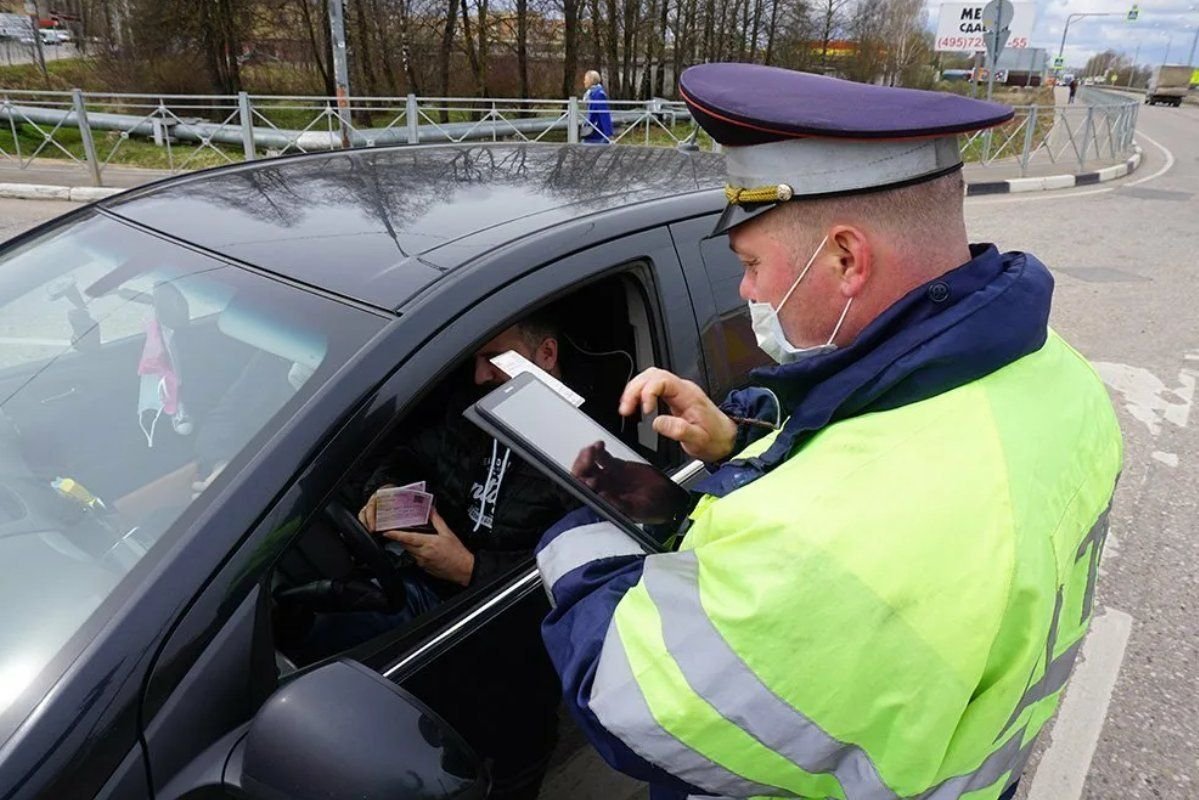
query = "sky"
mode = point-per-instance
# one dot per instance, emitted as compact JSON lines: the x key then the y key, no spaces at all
{"x":1161,"y":24}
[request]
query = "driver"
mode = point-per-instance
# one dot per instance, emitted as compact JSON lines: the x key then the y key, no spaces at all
{"x":489,"y":506}
{"x":490,"y":510}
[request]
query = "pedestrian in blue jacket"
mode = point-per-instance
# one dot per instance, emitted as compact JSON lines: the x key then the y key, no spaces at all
{"x":598,"y":129}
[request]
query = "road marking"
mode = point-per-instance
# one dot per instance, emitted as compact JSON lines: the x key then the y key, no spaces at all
{"x":1160,"y":172}
{"x":1064,"y":767}
{"x":1147,"y":398}
{"x":1169,"y":459}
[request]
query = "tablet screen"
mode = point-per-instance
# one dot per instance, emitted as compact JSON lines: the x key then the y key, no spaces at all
{"x":587,"y":452}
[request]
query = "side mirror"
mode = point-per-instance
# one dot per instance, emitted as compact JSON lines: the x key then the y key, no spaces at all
{"x":345,"y":731}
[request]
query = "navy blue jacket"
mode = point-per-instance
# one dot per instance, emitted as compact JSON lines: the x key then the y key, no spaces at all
{"x":599,"y":116}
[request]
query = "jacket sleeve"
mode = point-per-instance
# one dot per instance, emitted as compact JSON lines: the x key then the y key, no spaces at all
{"x":654,"y":685}
{"x":587,"y":565}
{"x":753,"y":403}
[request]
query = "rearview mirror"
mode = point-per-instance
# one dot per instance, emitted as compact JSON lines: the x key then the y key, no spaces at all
{"x":345,"y":731}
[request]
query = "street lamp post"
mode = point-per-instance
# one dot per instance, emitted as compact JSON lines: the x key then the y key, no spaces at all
{"x":1062,"y":48}
{"x":1133,"y":71}
{"x":1169,"y":42}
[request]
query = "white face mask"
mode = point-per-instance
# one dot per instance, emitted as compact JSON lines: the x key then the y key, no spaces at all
{"x":769,"y":331}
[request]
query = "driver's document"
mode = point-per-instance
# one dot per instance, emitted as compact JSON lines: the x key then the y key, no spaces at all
{"x":402,"y":507}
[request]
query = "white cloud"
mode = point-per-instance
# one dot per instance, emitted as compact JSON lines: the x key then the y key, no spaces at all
{"x":1160,"y":24}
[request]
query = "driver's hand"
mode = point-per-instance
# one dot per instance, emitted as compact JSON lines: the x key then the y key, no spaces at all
{"x":367,"y":515}
{"x":704,"y":431}
{"x":441,"y":554}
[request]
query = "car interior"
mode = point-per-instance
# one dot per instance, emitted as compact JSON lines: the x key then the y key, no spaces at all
{"x":335,"y":566}
{"x":236,"y":364}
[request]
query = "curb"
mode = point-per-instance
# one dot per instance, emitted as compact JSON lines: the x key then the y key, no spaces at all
{"x":1056,"y":181}
{"x":35,"y":191}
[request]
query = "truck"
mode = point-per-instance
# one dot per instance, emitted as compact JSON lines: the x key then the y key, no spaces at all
{"x":1168,"y":84}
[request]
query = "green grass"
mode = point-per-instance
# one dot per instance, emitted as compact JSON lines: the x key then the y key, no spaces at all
{"x":129,"y":152}
{"x":64,"y":74}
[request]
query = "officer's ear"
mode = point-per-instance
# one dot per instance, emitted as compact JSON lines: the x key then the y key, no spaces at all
{"x":854,"y":258}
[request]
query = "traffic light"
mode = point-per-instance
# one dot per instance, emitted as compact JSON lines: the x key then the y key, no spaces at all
{"x":1133,"y":12}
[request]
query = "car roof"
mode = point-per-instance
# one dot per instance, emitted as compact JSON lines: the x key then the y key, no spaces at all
{"x":380,"y":225}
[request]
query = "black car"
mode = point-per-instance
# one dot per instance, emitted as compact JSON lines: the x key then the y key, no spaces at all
{"x":155,"y":512}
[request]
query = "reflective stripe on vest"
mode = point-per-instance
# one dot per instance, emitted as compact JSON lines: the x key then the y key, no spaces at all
{"x":620,"y":706}
{"x":578,"y":546}
{"x":718,"y":675}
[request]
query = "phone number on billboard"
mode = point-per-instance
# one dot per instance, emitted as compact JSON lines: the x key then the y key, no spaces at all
{"x":975,"y":43}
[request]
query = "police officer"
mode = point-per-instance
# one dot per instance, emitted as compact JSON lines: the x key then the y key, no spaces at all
{"x":883,"y":588}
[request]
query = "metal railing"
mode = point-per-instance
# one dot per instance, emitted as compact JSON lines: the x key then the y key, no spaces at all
{"x":182,"y":132}
{"x":1098,"y":129}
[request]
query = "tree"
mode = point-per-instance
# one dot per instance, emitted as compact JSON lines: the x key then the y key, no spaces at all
{"x":832,"y":14}
{"x":444,"y":54}
{"x":1101,"y":64}
{"x":571,"y":12}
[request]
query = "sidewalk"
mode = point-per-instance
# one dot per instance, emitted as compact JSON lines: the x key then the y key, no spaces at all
{"x":50,"y":179}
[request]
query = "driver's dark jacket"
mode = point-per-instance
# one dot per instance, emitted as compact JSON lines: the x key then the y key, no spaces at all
{"x":454,"y":458}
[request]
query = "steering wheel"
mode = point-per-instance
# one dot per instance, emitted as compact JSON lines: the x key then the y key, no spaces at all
{"x":366,"y":548}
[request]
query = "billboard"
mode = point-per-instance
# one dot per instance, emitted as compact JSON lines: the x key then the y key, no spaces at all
{"x":15,"y":26}
{"x":960,"y":26}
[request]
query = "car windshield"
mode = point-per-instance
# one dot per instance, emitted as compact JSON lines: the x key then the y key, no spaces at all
{"x":132,"y":372}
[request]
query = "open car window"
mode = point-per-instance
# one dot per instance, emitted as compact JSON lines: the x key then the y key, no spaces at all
{"x":132,"y":372}
{"x":330,"y":597}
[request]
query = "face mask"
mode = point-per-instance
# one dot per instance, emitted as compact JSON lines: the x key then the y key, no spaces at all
{"x":769,"y":331}
{"x":159,"y":384}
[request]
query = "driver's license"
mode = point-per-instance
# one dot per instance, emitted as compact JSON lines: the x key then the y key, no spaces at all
{"x":400,"y":508}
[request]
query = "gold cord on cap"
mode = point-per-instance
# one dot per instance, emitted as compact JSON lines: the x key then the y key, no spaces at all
{"x":758,"y":194}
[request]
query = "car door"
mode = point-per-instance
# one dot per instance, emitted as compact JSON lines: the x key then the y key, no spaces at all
{"x":713,"y":275}
{"x":219,"y":665}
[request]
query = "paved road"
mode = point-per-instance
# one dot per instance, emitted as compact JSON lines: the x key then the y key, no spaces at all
{"x":1125,"y":256}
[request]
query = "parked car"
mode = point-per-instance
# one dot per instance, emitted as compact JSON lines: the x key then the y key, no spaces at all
{"x":309,"y":306}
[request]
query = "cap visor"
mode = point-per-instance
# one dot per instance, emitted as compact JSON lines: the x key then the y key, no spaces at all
{"x":734,"y":214}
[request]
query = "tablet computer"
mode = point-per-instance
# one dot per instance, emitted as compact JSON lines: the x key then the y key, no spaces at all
{"x":588,"y":461}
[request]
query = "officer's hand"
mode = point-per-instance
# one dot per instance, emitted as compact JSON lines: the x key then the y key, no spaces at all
{"x":367,"y":515}
{"x":704,"y":431}
{"x":441,"y":554}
